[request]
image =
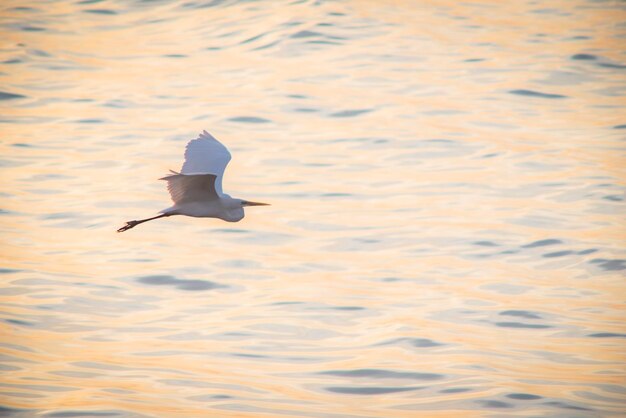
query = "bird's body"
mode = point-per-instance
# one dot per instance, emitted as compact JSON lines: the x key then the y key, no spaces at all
{"x":197,"y":190}
{"x":225,"y":208}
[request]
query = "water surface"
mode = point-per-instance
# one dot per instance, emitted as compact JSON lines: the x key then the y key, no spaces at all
{"x":446,"y":235}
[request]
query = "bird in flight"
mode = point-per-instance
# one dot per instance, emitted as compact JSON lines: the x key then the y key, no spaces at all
{"x":197,"y":190}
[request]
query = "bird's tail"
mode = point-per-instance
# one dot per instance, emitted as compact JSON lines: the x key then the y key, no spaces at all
{"x":169,"y":211}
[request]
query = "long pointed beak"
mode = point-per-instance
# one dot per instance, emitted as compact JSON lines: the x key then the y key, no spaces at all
{"x":256,"y":204}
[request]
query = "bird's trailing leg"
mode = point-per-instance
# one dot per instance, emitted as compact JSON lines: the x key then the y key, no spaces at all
{"x":132,"y":224}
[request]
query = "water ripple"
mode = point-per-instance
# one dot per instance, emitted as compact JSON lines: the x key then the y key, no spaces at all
{"x":446,"y":200}
{"x":181,"y":284}
{"x":532,"y":93}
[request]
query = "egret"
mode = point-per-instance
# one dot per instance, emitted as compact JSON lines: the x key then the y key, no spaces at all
{"x":197,"y":190}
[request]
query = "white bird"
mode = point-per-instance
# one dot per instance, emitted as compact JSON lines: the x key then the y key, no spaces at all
{"x":197,"y":190}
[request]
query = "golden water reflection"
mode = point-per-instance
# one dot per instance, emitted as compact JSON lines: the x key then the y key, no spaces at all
{"x":446,"y":230}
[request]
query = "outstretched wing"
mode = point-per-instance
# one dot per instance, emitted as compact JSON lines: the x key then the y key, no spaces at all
{"x":191,"y":187}
{"x":206,"y":155}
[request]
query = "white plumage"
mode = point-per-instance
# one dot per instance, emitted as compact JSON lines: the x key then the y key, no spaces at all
{"x":197,"y":189}
{"x":206,"y":155}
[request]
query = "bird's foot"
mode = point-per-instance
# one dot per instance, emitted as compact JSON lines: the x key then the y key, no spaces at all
{"x":129,"y":225}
